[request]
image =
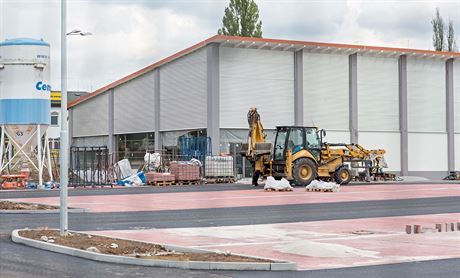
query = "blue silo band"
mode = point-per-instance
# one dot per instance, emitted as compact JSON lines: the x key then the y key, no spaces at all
{"x":24,"y":41}
{"x":25,"y":111}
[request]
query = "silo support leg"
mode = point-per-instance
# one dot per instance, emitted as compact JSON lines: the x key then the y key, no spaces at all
{"x":2,"y":147}
{"x":48,"y":156}
{"x":19,"y":150}
{"x":40,"y":161}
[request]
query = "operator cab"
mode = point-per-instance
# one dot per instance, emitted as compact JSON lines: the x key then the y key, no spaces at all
{"x":296,"y":138}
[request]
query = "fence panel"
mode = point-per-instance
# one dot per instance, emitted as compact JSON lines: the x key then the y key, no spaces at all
{"x":89,"y":166}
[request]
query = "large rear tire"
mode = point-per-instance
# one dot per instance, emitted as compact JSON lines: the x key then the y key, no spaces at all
{"x":304,"y":171}
{"x":342,"y":175}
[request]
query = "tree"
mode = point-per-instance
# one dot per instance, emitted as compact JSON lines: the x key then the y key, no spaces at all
{"x":438,"y":31}
{"x":241,"y":18}
{"x":451,"y":45}
{"x":443,"y":39}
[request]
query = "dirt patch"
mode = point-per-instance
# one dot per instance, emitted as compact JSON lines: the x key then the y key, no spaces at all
{"x":129,"y":248}
{"x":7,"y":205}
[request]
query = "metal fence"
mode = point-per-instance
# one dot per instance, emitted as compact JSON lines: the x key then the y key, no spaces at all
{"x":94,"y":166}
{"x":89,"y":166}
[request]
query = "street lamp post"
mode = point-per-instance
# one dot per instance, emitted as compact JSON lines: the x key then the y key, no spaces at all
{"x":64,"y":135}
{"x":64,"y":139}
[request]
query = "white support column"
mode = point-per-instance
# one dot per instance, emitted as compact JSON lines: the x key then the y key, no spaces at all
{"x":450,"y":114}
{"x":48,"y":156}
{"x":403,"y":115}
{"x":298,"y":88}
{"x":111,"y":123}
{"x":156,"y":104}
{"x":353,"y":94}
{"x":39,"y":156}
{"x":213,"y":88}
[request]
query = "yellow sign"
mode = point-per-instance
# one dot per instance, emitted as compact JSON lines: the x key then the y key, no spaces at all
{"x":56,"y":96}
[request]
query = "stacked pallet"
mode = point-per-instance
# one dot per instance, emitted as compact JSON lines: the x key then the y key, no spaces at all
{"x":185,"y":173}
{"x":219,"y":169}
{"x":160,"y":179}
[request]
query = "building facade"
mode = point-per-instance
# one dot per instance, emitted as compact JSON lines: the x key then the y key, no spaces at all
{"x":54,"y":129}
{"x":406,"y":101}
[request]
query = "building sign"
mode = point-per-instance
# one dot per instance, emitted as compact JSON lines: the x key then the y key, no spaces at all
{"x":55,"y":98}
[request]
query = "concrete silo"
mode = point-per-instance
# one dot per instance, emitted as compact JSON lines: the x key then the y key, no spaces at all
{"x":25,"y":104}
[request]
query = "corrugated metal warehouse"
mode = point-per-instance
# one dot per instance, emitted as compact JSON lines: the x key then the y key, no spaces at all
{"x":406,"y":101}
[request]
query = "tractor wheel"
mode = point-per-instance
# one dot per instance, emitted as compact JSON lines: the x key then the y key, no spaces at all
{"x":304,"y":171}
{"x":342,"y":175}
{"x":255,"y":178}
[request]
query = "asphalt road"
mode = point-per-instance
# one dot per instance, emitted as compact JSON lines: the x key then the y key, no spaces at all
{"x":22,"y":261}
{"x":235,"y":216}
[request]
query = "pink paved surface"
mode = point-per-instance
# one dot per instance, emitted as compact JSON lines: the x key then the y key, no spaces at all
{"x":320,"y":244}
{"x":257,"y":197}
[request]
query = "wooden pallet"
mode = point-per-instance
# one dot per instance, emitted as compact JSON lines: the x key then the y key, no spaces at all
{"x":318,"y":190}
{"x":220,"y":180}
{"x":187,"y":182}
{"x":161,"y":183}
{"x":278,"y":190}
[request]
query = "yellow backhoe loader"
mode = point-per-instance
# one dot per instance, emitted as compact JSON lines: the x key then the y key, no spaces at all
{"x":300,"y":155}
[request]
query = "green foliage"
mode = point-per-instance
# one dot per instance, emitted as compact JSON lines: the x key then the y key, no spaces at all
{"x":451,"y":45}
{"x":438,"y":31}
{"x":443,"y":39}
{"x":241,"y":18}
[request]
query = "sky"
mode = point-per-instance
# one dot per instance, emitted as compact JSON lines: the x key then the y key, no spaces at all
{"x":131,"y":34}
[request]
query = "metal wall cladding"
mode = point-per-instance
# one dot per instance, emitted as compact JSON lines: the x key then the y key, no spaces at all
{"x":378,"y":94}
{"x":134,"y":105}
{"x":326,"y":90}
{"x":426,"y":91}
{"x":90,"y":118}
{"x":95,"y":141}
{"x":431,"y":158}
{"x":457,"y":151}
{"x":389,"y":141}
{"x":260,"y":78}
{"x":457,"y":98}
{"x":183,"y":92}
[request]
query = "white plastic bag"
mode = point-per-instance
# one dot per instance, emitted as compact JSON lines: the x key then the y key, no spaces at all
{"x":282,"y":184}
{"x":124,"y":169}
{"x":134,"y":180}
{"x":153,"y":159}
{"x":317,"y":184}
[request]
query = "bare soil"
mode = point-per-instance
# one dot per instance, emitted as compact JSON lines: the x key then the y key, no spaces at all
{"x":7,"y":205}
{"x":130,"y":248}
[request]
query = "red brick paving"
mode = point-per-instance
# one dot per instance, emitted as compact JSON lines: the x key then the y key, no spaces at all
{"x":256,"y":197}
{"x":319,"y":244}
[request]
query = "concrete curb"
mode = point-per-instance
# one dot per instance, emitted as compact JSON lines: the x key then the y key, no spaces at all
{"x":42,"y":211}
{"x":197,"y":265}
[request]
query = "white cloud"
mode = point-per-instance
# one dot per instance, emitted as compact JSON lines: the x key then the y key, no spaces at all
{"x":129,"y":35}
{"x":125,"y":37}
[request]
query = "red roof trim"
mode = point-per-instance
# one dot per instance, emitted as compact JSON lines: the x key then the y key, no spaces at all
{"x":338,"y":45}
{"x":221,"y":38}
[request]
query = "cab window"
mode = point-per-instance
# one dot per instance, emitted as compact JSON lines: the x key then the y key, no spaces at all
{"x":312,"y":139}
{"x":295,"y":142}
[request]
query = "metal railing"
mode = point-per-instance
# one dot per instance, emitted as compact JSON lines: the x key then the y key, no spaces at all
{"x":89,"y":166}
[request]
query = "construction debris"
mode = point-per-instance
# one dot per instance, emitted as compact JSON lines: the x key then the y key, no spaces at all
{"x":277,"y":185}
{"x":322,"y":186}
{"x":453,"y":176}
{"x":93,"y":249}
{"x":446,"y":227}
